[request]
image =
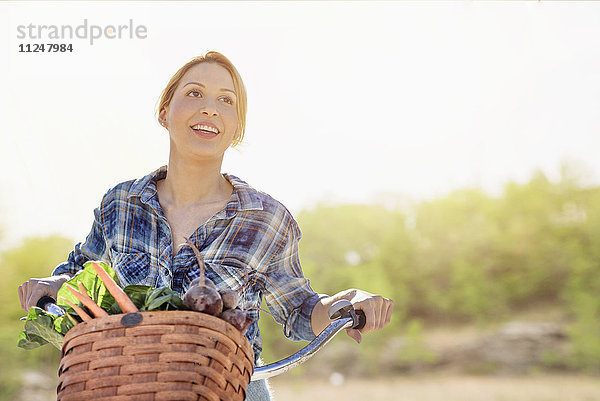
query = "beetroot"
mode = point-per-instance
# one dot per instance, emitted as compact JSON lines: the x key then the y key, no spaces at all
{"x":202,"y":296}
{"x":207,"y":283}
{"x":203,"y":299}
{"x":237,"y":318}
{"x":230,"y":298}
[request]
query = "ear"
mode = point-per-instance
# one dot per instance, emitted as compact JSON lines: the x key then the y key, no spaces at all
{"x":162,"y":118}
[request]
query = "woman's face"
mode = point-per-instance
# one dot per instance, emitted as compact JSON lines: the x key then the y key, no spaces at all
{"x":202,"y":116}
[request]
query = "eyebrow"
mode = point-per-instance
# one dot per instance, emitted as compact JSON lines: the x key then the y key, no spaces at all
{"x":202,"y":85}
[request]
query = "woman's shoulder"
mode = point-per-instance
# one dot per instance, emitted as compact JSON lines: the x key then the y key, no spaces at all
{"x":137,"y":187}
{"x":257,"y":201}
{"x":120,"y":190}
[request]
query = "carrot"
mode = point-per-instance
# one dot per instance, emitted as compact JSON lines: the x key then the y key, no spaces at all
{"x":84,"y":316}
{"x":97,"y":310}
{"x":127,"y":306}
{"x":87,"y":301}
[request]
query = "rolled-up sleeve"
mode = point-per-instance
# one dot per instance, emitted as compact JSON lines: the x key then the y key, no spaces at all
{"x":93,"y":248}
{"x":287,"y":292}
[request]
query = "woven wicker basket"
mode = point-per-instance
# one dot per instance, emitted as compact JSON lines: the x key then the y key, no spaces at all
{"x":175,"y":355}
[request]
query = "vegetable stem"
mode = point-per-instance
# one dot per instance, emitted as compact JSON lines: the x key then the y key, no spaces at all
{"x":200,"y":260}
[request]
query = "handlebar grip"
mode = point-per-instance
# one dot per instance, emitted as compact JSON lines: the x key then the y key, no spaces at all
{"x":41,"y":303}
{"x":362,"y":320}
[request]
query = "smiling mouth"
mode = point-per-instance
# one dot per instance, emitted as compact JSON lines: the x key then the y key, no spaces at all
{"x":205,"y":129}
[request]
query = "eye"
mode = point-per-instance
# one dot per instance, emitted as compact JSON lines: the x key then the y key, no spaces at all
{"x":227,"y":99}
{"x":197,"y":93}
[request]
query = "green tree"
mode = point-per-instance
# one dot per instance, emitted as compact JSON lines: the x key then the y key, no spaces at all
{"x":35,"y":257}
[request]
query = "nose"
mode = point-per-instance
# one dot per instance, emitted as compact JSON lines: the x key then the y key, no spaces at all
{"x":210,"y":108}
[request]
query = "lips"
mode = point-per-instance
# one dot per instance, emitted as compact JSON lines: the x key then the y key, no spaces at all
{"x":205,"y":127}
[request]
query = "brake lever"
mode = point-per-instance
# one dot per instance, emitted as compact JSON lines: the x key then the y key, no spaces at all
{"x":343,"y":309}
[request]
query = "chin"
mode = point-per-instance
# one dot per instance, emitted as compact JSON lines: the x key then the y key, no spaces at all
{"x":208,"y":153}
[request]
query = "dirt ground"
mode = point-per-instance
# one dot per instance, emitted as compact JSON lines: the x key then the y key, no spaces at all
{"x":447,"y":388}
{"x":543,"y":387}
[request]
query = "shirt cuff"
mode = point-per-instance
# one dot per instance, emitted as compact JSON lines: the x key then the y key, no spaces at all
{"x":301,"y":327}
{"x":66,"y":268}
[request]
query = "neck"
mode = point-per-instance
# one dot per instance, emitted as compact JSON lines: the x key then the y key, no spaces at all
{"x":188,"y":183}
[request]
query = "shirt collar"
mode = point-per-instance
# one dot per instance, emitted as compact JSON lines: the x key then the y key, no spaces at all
{"x":145,"y":187}
{"x":243,"y":198}
{"x":248,"y":197}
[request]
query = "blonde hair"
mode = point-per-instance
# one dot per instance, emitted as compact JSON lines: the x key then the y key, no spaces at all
{"x":238,"y":85}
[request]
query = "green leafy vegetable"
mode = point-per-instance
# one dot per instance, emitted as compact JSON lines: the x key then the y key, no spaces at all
{"x":137,"y":294}
{"x":163,"y":298}
{"x":96,"y":288}
{"x":40,"y":329}
{"x":148,"y":298}
{"x":28,"y":340}
{"x":43,"y":328}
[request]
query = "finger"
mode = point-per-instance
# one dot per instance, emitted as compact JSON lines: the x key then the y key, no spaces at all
{"x":354,"y":334}
{"x":383,"y":313}
{"x":35,"y":294}
{"x":27,"y":288}
{"x":26,"y":294}
{"x":29,"y":302}
{"x":388,"y":313}
{"x":380,"y":312}
{"x":375,"y":304}
{"x":21,"y":296}
{"x":371,"y":319}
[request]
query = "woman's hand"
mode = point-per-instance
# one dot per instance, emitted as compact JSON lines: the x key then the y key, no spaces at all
{"x":33,"y":289}
{"x":377,"y":309}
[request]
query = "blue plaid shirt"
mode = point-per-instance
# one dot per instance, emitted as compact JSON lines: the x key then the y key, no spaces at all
{"x":254,"y":231}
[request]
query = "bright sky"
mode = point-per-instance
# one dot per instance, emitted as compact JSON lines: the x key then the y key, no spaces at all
{"x":348,"y":101}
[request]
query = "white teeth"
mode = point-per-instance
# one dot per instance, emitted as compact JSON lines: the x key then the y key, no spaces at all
{"x":206,"y":128}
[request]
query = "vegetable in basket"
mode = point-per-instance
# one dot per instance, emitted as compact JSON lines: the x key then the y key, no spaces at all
{"x":126,"y":305}
{"x":202,"y":296}
{"x":42,"y":328}
{"x":100,"y":294}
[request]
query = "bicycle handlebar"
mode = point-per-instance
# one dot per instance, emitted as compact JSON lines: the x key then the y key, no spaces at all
{"x":346,"y":318}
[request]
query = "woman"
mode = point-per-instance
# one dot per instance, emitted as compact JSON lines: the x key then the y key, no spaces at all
{"x":244,"y":235}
